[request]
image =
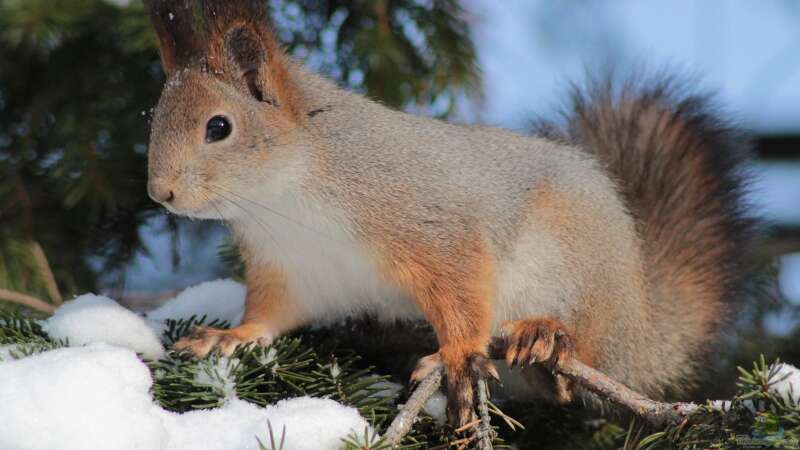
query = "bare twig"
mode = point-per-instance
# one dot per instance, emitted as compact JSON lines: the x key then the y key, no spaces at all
{"x":47,"y":273}
{"x":402,"y":424}
{"x":654,"y":412}
{"x":485,"y":431}
{"x":27,"y":300}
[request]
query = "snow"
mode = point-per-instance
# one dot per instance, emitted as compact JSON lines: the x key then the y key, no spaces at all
{"x":90,"y":397}
{"x":220,"y":299}
{"x":218,"y":373}
{"x":436,"y":407}
{"x":95,"y":394}
{"x":97,"y":397}
{"x":7,"y":352}
{"x":311,"y":424}
{"x":93,"y":318}
{"x":787,"y":385}
{"x":384,"y":389}
{"x":725,"y":405}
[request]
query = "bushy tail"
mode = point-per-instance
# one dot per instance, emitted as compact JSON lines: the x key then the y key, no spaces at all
{"x":679,"y":169}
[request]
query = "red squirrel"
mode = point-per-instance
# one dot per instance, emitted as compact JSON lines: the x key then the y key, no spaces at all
{"x":613,"y":240}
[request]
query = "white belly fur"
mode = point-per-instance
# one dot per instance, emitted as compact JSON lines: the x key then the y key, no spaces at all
{"x":330,"y":274}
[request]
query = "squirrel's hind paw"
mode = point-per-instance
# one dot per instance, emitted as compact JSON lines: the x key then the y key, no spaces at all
{"x":531,"y":341}
{"x":462,"y":379}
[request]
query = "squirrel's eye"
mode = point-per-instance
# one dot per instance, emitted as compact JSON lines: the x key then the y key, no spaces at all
{"x":217,"y":129}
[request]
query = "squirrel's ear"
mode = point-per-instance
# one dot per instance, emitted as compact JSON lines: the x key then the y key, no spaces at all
{"x":243,"y":48}
{"x":246,"y":52}
{"x":260,"y":65}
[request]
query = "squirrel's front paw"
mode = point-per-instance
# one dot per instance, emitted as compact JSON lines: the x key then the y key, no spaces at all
{"x":532,"y":341}
{"x":203,"y":340}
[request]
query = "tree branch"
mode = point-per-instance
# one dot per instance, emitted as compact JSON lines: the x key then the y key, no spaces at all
{"x":654,"y":412}
{"x":47,"y":273}
{"x":27,"y":300}
{"x":403,"y":422}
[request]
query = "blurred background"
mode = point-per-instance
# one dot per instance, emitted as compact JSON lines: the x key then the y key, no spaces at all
{"x":79,"y":78}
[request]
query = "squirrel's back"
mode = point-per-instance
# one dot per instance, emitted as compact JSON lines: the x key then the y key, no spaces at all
{"x":627,"y":224}
{"x":679,"y":168}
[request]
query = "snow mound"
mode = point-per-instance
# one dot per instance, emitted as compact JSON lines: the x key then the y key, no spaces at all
{"x":97,"y":397}
{"x":220,"y":299}
{"x":311,"y":424}
{"x":92,"y":318}
{"x":93,"y":397}
{"x":788,"y":384}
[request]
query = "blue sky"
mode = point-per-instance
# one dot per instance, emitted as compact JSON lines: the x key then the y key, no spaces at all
{"x":748,"y":52}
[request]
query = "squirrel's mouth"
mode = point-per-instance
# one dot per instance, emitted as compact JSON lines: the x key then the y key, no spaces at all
{"x":207,"y":209}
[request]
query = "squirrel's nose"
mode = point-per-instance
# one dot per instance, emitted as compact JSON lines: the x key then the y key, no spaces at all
{"x":160,"y":193}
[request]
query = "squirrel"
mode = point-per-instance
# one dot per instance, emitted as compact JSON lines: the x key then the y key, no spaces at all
{"x":613,"y":239}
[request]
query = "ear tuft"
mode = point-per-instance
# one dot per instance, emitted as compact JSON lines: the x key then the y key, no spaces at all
{"x":233,"y":39}
{"x":178,"y":37}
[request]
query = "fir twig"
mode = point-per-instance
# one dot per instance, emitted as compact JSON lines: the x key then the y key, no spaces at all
{"x":24,"y":336}
{"x":485,"y":432}
{"x":272,"y":446}
{"x":654,"y":412}
{"x":30,"y":301}
{"x":404,"y":421}
{"x":47,"y":273}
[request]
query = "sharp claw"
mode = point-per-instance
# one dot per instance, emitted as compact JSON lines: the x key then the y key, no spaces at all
{"x":492,"y":372}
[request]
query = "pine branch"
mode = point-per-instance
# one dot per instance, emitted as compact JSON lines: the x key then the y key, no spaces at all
{"x":24,"y":336}
{"x":47,"y":273}
{"x":656,"y":413}
{"x":403,"y":422}
{"x":27,"y":300}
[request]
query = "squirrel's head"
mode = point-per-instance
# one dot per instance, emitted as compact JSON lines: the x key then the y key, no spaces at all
{"x":227,"y":109}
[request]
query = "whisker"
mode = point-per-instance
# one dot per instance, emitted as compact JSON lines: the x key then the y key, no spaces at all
{"x":279,"y":214}
{"x":213,"y":204}
{"x":277,"y":244}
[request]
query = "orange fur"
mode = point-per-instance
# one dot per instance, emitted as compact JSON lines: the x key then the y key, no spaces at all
{"x":269,"y":311}
{"x":268,"y":300}
{"x":456,"y":299}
